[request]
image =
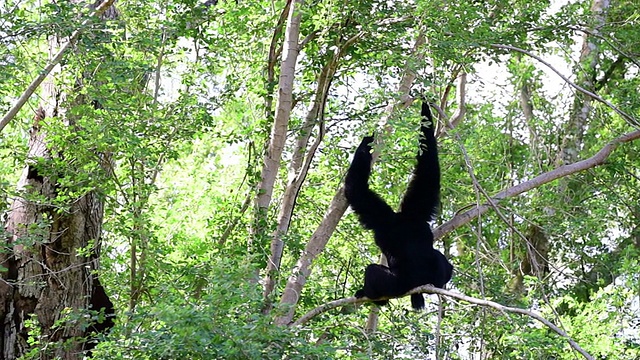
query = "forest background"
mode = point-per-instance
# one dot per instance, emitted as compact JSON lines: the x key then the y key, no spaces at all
{"x":184,"y":161}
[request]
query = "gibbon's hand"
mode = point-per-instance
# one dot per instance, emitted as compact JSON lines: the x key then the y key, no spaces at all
{"x":365,"y":145}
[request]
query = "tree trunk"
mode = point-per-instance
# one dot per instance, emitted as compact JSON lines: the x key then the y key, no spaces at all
{"x":279,"y":130}
{"x":48,"y":284}
{"x":51,"y":250}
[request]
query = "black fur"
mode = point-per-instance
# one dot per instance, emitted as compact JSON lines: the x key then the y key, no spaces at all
{"x":99,"y":302}
{"x":404,"y":237}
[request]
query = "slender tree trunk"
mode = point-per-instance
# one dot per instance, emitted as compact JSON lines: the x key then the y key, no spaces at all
{"x":299,"y":167}
{"x":279,"y":130}
{"x":337,"y":207}
{"x":583,"y":104}
{"x":571,"y":191}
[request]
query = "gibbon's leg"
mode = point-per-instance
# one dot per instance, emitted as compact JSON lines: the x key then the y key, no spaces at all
{"x":380,"y":281}
{"x":417,"y":301}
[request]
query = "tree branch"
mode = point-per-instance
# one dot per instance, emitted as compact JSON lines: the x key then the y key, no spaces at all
{"x":562,"y":171}
{"x":624,"y":115}
{"x":609,"y":42}
{"x":430,"y":289}
{"x":52,"y":64}
{"x":461,"y":103}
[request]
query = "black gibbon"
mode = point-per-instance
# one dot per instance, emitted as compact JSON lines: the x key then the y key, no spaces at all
{"x":405,"y":236}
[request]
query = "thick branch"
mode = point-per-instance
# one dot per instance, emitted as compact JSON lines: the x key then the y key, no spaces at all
{"x":430,"y":289}
{"x":562,"y":171}
{"x":52,"y":64}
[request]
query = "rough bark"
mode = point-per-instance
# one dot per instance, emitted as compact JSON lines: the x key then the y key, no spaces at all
{"x":51,"y":250}
{"x":48,"y":270}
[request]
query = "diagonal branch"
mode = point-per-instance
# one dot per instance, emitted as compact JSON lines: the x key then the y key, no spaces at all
{"x":560,"y":172}
{"x":52,"y":64}
{"x":609,"y":42}
{"x":627,"y":117}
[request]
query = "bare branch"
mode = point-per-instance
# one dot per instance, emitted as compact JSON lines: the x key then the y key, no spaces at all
{"x":430,"y":289}
{"x":624,"y":115}
{"x":562,"y":171}
{"x":460,"y":100}
{"x":52,"y":64}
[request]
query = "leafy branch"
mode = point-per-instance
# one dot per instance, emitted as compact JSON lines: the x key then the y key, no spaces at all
{"x":593,"y":95}
{"x":52,"y":64}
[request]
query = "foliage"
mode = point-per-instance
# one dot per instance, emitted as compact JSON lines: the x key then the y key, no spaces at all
{"x":223,"y":321}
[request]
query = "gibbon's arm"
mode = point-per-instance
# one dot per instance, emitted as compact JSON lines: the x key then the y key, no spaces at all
{"x":372,"y":211}
{"x":422,"y":198}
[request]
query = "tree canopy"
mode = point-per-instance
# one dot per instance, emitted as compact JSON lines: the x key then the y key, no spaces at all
{"x":188,"y":157}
